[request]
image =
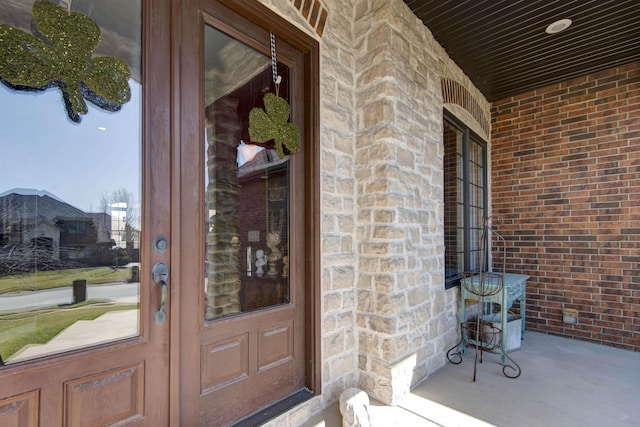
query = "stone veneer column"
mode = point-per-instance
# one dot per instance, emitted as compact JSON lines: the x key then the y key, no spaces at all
{"x":399,"y":161}
{"x":222,"y":250}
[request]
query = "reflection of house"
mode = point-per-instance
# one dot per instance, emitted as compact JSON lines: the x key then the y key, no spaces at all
{"x":262,"y":202}
{"x":40,"y":220}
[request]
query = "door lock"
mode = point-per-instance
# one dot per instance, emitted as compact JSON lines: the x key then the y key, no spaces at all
{"x":160,"y":274}
{"x":160,"y":245}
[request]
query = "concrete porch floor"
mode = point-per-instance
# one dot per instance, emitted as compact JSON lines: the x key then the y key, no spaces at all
{"x":564,"y":382}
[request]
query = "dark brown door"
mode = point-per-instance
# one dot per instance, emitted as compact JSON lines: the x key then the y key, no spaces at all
{"x":81,"y":201}
{"x":242,"y":220}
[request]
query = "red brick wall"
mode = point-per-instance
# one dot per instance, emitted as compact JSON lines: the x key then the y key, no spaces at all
{"x":566,"y":182}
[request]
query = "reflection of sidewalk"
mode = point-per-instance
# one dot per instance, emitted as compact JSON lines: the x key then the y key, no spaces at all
{"x":116,"y":292}
{"x":110,"y":326}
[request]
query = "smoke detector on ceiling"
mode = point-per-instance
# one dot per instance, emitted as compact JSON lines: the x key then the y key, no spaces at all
{"x":560,"y":25}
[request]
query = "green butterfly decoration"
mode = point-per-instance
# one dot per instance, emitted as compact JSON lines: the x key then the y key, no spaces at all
{"x":274,"y":124}
{"x":63,"y":58}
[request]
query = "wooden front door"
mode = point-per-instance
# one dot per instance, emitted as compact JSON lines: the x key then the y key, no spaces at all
{"x":242,"y":211}
{"x":84,"y":202}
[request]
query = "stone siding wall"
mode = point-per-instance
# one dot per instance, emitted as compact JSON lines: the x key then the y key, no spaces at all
{"x":387,"y":320}
{"x":405,"y":318}
{"x":400,"y":287}
{"x":223,"y":279}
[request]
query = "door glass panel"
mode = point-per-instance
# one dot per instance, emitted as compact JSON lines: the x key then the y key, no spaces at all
{"x":246,"y":188}
{"x":70,"y":187}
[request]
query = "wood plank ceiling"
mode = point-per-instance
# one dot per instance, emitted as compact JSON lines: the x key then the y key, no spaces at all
{"x":503,"y":47}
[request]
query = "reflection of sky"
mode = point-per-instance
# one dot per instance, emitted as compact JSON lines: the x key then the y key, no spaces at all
{"x":41,"y":149}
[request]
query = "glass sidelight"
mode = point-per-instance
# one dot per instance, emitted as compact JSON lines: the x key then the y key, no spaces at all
{"x":246,"y":191}
{"x":70,"y":189}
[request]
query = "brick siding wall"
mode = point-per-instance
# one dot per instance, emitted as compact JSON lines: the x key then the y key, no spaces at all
{"x":566,"y":183}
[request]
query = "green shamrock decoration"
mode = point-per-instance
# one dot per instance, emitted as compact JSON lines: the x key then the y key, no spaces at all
{"x":273,"y":124}
{"x":63,"y":58}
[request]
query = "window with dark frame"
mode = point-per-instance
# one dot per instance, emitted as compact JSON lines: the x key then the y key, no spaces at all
{"x":465,"y":198}
{"x":76,"y":227}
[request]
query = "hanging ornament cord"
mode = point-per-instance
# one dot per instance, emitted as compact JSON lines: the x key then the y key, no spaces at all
{"x":272,"y":123}
{"x":274,"y":64}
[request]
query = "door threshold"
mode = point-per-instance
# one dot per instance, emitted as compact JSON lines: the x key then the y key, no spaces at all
{"x":280,"y":407}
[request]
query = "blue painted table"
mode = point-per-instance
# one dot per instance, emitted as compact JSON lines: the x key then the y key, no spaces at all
{"x":513,"y":289}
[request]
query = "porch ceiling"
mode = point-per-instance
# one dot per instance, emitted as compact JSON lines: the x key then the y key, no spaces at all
{"x":503,"y":48}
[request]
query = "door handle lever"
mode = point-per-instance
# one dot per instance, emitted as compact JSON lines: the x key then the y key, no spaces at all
{"x":161,"y":275}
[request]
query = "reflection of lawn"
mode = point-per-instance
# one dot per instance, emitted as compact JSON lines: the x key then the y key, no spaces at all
{"x":39,"y":326}
{"x":59,"y":278}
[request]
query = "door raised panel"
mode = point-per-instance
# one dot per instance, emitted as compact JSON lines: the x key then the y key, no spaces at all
{"x":224,"y":362}
{"x":20,"y":410}
{"x":105,"y":398}
{"x":275,"y":345}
